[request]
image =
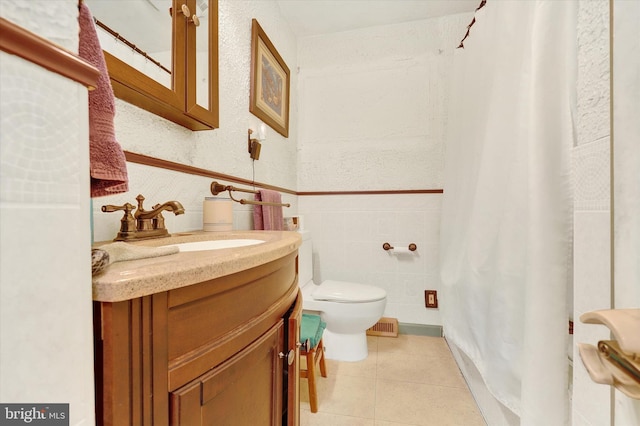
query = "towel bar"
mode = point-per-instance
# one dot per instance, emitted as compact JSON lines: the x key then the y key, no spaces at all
{"x":217,"y":188}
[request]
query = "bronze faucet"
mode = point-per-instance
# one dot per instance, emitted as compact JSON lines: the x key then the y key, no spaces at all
{"x":143,"y":223}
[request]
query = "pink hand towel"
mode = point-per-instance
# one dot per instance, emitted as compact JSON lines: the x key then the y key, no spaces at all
{"x":108,"y":166}
{"x":268,"y":218}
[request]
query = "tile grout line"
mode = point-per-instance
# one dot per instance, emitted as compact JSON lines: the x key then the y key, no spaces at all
{"x":419,"y":357}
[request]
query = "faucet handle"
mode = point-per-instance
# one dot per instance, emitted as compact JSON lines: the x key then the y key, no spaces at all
{"x":127,"y":208}
{"x":127,"y":223}
{"x":158,"y":221}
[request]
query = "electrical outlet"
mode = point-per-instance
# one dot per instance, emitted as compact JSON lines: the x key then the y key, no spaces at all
{"x":431,"y":298}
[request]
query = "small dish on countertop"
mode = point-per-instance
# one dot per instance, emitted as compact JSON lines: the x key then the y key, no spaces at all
{"x":99,"y":261}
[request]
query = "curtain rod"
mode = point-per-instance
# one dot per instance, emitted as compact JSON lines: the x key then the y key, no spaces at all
{"x":473,"y":21}
{"x":135,"y":48}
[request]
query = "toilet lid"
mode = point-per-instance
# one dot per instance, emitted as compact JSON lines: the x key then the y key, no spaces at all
{"x":340,"y":291}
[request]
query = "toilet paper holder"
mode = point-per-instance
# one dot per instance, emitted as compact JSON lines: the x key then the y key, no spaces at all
{"x":411,"y":247}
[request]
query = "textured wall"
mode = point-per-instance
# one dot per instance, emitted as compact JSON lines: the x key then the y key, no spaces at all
{"x":372,"y":106}
{"x":223,"y":150}
{"x":372,"y":117}
{"x":46,"y":333}
{"x":54,"y":20}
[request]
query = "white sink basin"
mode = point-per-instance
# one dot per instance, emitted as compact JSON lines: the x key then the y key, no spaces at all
{"x":216,"y":244}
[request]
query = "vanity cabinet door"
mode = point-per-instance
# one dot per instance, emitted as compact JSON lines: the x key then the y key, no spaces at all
{"x":130,"y":341}
{"x":244,"y":390}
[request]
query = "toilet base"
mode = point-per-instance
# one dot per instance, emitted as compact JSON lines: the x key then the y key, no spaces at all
{"x":345,"y":347}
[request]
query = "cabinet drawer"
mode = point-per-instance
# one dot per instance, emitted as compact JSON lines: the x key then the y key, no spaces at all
{"x":209,"y":324}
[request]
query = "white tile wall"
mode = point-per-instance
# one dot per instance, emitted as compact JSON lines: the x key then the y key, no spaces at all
{"x":592,"y":274}
{"x":627,"y":154}
{"x":160,"y":185}
{"x":372,"y":117}
{"x":592,"y":211}
{"x":626,"y":160}
{"x":590,"y":170}
{"x":46,"y":332}
{"x":348,"y":232}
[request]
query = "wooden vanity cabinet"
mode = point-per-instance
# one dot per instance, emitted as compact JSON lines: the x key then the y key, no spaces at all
{"x":213,"y":353}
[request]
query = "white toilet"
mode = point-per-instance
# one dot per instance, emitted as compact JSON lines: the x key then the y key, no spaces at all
{"x":349,"y":309}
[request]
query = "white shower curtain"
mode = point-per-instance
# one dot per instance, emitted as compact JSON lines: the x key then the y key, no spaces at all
{"x":507,"y":210}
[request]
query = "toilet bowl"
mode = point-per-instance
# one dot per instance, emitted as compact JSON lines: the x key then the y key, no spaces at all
{"x":347,"y":308}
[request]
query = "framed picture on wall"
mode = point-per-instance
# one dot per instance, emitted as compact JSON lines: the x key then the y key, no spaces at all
{"x":269,"y":82}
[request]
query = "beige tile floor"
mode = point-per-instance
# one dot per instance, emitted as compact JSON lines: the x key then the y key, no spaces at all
{"x":408,"y":380}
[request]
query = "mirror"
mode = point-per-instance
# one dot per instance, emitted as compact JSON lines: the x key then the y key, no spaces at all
{"x":162,"y":56}
{"x":138,"y":32}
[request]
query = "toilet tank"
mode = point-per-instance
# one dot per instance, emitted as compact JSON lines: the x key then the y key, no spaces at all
{"x":305,"y":259}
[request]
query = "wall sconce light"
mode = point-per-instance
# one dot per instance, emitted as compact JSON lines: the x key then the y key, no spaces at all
{"x":253,"y":144}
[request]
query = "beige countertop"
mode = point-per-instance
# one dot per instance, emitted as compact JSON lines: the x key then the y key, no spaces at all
{"x":142,"y":277}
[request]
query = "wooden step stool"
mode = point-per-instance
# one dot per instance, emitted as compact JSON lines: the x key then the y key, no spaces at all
{"x":311,"y":329}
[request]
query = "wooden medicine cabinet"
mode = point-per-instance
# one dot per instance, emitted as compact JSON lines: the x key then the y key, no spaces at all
{"x":162,"y":56}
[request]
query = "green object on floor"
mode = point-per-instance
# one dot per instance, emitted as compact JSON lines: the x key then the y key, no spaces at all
{"x":311,"y":328}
